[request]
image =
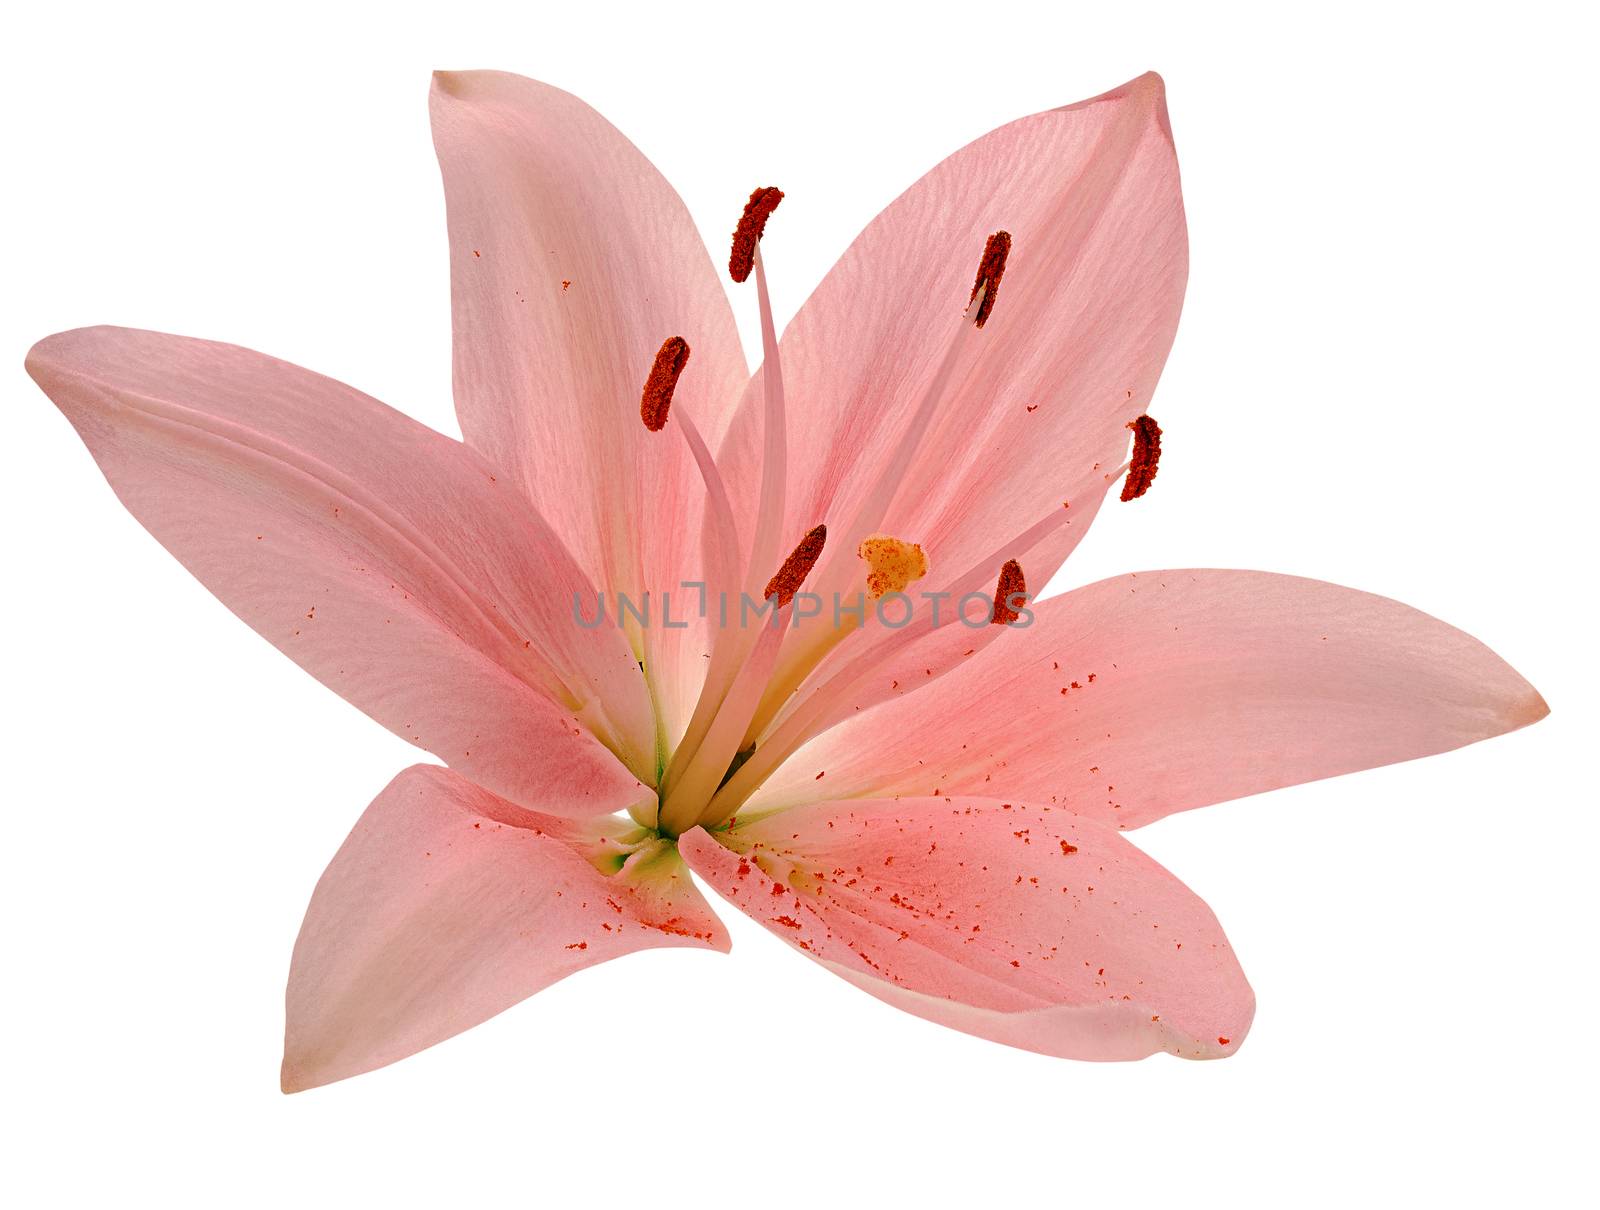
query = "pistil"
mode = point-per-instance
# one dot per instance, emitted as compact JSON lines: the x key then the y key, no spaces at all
{"x":805,"y":651}
{"x":826,"y":703}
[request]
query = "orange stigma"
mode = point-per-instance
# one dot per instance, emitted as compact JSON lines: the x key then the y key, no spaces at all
{"x":796,"y":567}
{"x":751,"y":224}
{"x":990,"y":269}
{"x":1010,"y":595}
{"x":658,"y":388}
{"x":1146,"y":453}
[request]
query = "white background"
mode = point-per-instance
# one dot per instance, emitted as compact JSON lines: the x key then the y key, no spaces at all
{"x":1384,"y":377}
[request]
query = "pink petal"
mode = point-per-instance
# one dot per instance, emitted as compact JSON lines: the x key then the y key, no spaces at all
{"x":1081,"y":327}
{"x":1023,"y":924}
{"x":1153,"y":693}
{"x":572,"y":260}
{"x":386,"y":560}
{"x":446,"y":906}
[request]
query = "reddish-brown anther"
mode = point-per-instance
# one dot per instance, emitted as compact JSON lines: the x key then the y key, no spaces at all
{"x":751,"y":224}
{"x":1146,"y":453}
{"x":990,"y":269}
{"x":796,"y":567}
{"x":658,"y":388}
{"x":1009,"y":595}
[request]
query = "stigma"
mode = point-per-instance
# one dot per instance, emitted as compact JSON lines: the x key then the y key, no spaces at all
{"x":891,"y":564}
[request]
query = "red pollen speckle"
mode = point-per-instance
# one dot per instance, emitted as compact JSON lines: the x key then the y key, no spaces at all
{"x":1010,"y":595}
{"x":1068,"y":849}
{"x":1146,"y":454}
{"x":752,"y":223}
{"x":1224,"y":1041}
{"x":578,"y":945}
{"x":788,"y":922}
{"x":657,"y":398}
{"x":786,"y":582}
{"x":990,"y":269}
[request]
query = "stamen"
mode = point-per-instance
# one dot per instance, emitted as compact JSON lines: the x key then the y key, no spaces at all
{"x":893,"y":564}
{"x":1010,"y":595}
{"x":751,"y":224}
{"x":658,"y":388}
{"x":732,"y":649}
{"x":721,"y":545}
{"x":796,"y":567}
{"x":1146,"y":453}
{"x":990,"y":269}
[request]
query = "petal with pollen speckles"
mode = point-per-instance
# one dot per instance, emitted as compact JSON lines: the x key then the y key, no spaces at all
{"x":1147,"y":694}
{"x":1015,"y":922}
{"x":446,"y":906}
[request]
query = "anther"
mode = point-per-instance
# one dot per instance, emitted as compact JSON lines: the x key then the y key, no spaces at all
{"x":892,"y":564}
{"x":1010,"y":594}
{"x":1146,"y":453}
{"x":658,"y":388}
{"x":751,"y":224}
{"x":796,"y":567}
{"x":990,"y":269}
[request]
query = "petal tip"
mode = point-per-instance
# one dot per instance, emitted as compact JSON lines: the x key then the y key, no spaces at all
{"x":469,"y":84}
{"x":1150,"y":92}
{"x":48,"y":350}
{"x":1221,"y":1045}
{"x":1147,"y":93}
{"x":449,"y":83}
{"x":1529,"y":709}
{"x":1150,"y":85}
{"x":73,"y":346}
{"x":292,"y":1078}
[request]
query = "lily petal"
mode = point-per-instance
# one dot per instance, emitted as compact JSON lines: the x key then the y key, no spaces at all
{"x":1069,"y":356}
{"x":572,"y":260}
{"x":447,"y":905}
{"x":1020,"y":923}
{"x":383,"y":558}
{"x":1147,"y":694}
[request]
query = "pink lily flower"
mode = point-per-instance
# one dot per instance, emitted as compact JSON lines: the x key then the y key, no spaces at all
{"x":931,"y":810}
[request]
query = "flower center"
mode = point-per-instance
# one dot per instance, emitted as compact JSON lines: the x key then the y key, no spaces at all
{"x":797,"y":656}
